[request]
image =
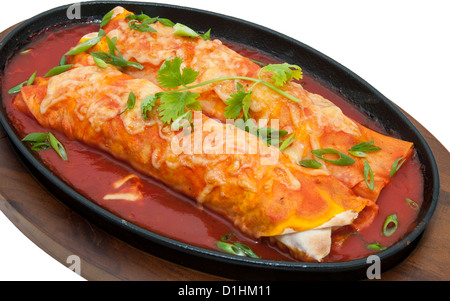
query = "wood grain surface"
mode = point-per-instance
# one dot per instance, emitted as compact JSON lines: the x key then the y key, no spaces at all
{"x":60,"y":232}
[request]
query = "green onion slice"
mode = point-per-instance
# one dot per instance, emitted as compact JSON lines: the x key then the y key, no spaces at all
{"x":366,"y":146}
{"x":30,"y":81}
{"x":258,"y":62}
{"x":412,"y":204}
{"x":17,"y":88}
{"x":396,"y":166}
{"x":36,"y":137}
{"x":82,"y":47}
{"x":270,"y":133}
{"x":115,"y":61}
{"x":247,"y":250}
{"x":58,"y":70}
{"x":166,"y":22}
{"x":40,"y":146}
{"x":343,"y":160}
{"x":106,"y":18}
{"x":227,"y":236}
{"x":390,"y":225}
{"x":359,"y":154}
{"x":376,"y":246}
{"x":57,"y":146}
{"x":43,"y":141}
{"x":309,"y":163}
{"x":235,"y":248}
{"x":100,"y":63}
{"x":289,"y":140}
{"x":368,"y":176}
{"x":185,"y":31}
{"x":230,"y":248}
{"x":142,"y":27}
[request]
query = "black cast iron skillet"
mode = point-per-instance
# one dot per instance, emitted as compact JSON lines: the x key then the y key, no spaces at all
{"x":333,"y":75}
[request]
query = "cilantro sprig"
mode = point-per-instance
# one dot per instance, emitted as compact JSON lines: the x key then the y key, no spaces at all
{"x":175,"y":102}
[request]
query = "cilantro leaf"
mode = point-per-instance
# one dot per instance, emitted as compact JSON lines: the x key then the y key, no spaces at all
{"x":283,"y":73}
{"x":173,"y":105}
{"x":130,"y":102}
{"x":147,"y":104}
{"x":238,"y":101}
{"x":170,"y":76}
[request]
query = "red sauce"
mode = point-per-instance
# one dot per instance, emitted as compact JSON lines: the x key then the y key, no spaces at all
{"x":92,"y":172}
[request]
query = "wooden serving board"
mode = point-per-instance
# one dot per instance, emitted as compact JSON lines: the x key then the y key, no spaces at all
{"x":60,"y":232}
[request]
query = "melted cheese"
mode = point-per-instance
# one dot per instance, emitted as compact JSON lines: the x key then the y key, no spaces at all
{"x":98,"y":100}
{"x":130,"y":194}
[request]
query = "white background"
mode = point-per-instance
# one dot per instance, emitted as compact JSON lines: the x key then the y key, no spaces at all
{"x":401,"y":48}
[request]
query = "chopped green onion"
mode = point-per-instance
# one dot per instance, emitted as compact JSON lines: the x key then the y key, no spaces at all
{"x":360,"y":149}
{"x":17,"y":88}
{"x":289,"y":140}
{"x":227,"y":236}
{"x":99,"y":62}
{"x":62,"y":61}
{"x":270,"y":133}
{"x":43,"y":141}
{"x":366,"y":146}
{"x":185,"y":31}
{"x":235,"y":248}
{"x":30,"y":81}
{"x":359,"y":154}
{"x":309,"y":163}
{"x":230,"y":248}
{"x":247,"y":250}
{"x":115,"y":61}
{"x":112,"y":46}
{"x":36,"y":137}
{"x":412,"y":204}
{"x":273,"y":141}
{"x":390,"y":225}
{"x":396,"y":166}
{"x":343,"y":160}
{"x":82,"y":47}
{"x":106,"y":18}
{"x":376,"y":246}
{"x":165,"y":22}
{"x":141,"y":18}
{"x":57,"y":146}
{"x":258,"y":62}
{"x":58,"y":70}
{"x":368,"y":173}
{"x":25,"y":51}
{"x":143,"y":27}
{"x":40,"y":146}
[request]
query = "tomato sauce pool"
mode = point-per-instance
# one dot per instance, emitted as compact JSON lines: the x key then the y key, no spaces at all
{"x":93,"y":173}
